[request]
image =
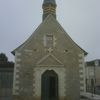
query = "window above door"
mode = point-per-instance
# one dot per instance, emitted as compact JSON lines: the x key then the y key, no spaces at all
{"x":48,"y":40}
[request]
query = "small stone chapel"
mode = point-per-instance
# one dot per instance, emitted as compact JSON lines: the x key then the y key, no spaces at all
{"x":49,"y":65}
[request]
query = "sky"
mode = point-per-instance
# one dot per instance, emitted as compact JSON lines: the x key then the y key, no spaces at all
{"x":79,"y":18}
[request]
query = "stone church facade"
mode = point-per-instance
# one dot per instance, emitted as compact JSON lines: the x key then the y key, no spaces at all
{"x":49,"y":65}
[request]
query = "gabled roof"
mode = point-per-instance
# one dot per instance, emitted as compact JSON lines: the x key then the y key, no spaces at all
{"x":48,"y":19}
{"x":92,"y":63}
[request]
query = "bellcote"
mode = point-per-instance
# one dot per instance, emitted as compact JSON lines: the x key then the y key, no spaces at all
{"x":49,"y":7}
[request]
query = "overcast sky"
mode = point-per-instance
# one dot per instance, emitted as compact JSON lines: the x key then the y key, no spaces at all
{"x":80,"y":19}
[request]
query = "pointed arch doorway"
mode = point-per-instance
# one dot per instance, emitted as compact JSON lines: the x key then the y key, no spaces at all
{"x":49,"y":85}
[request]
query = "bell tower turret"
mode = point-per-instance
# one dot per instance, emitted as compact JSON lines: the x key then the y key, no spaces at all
{"x":49,"y":7}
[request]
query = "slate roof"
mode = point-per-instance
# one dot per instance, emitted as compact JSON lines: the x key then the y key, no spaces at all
{"x":92,"y":63}
{"x":4,"y":63}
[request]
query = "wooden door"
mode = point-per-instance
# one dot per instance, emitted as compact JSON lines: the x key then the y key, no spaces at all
{"x":49,"y":86}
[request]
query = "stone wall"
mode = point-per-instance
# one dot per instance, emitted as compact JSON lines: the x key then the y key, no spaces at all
{"x":33,"y":58}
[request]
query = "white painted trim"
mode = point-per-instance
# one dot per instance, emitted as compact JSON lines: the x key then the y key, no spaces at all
{"x":16,"y":70}
{"x":18,"y":54}
{"x":82,"y":71}
{"x":61,"y":76}
{"x":81,"y":75}
{"x":81,"y":60}
{"x":18,"y":60}
{"x":81,"y":66}
{"x":81,"y":82}
{"x":82,"y":88}
{"x":81,"y":55}
{"x":17,"y":76}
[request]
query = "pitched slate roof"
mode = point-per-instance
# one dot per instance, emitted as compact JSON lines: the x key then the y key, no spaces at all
{"x":92,"y":63}
{"x":4,"y":63}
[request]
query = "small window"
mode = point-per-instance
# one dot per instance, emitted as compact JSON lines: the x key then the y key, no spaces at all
{"x":48,"y":41}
